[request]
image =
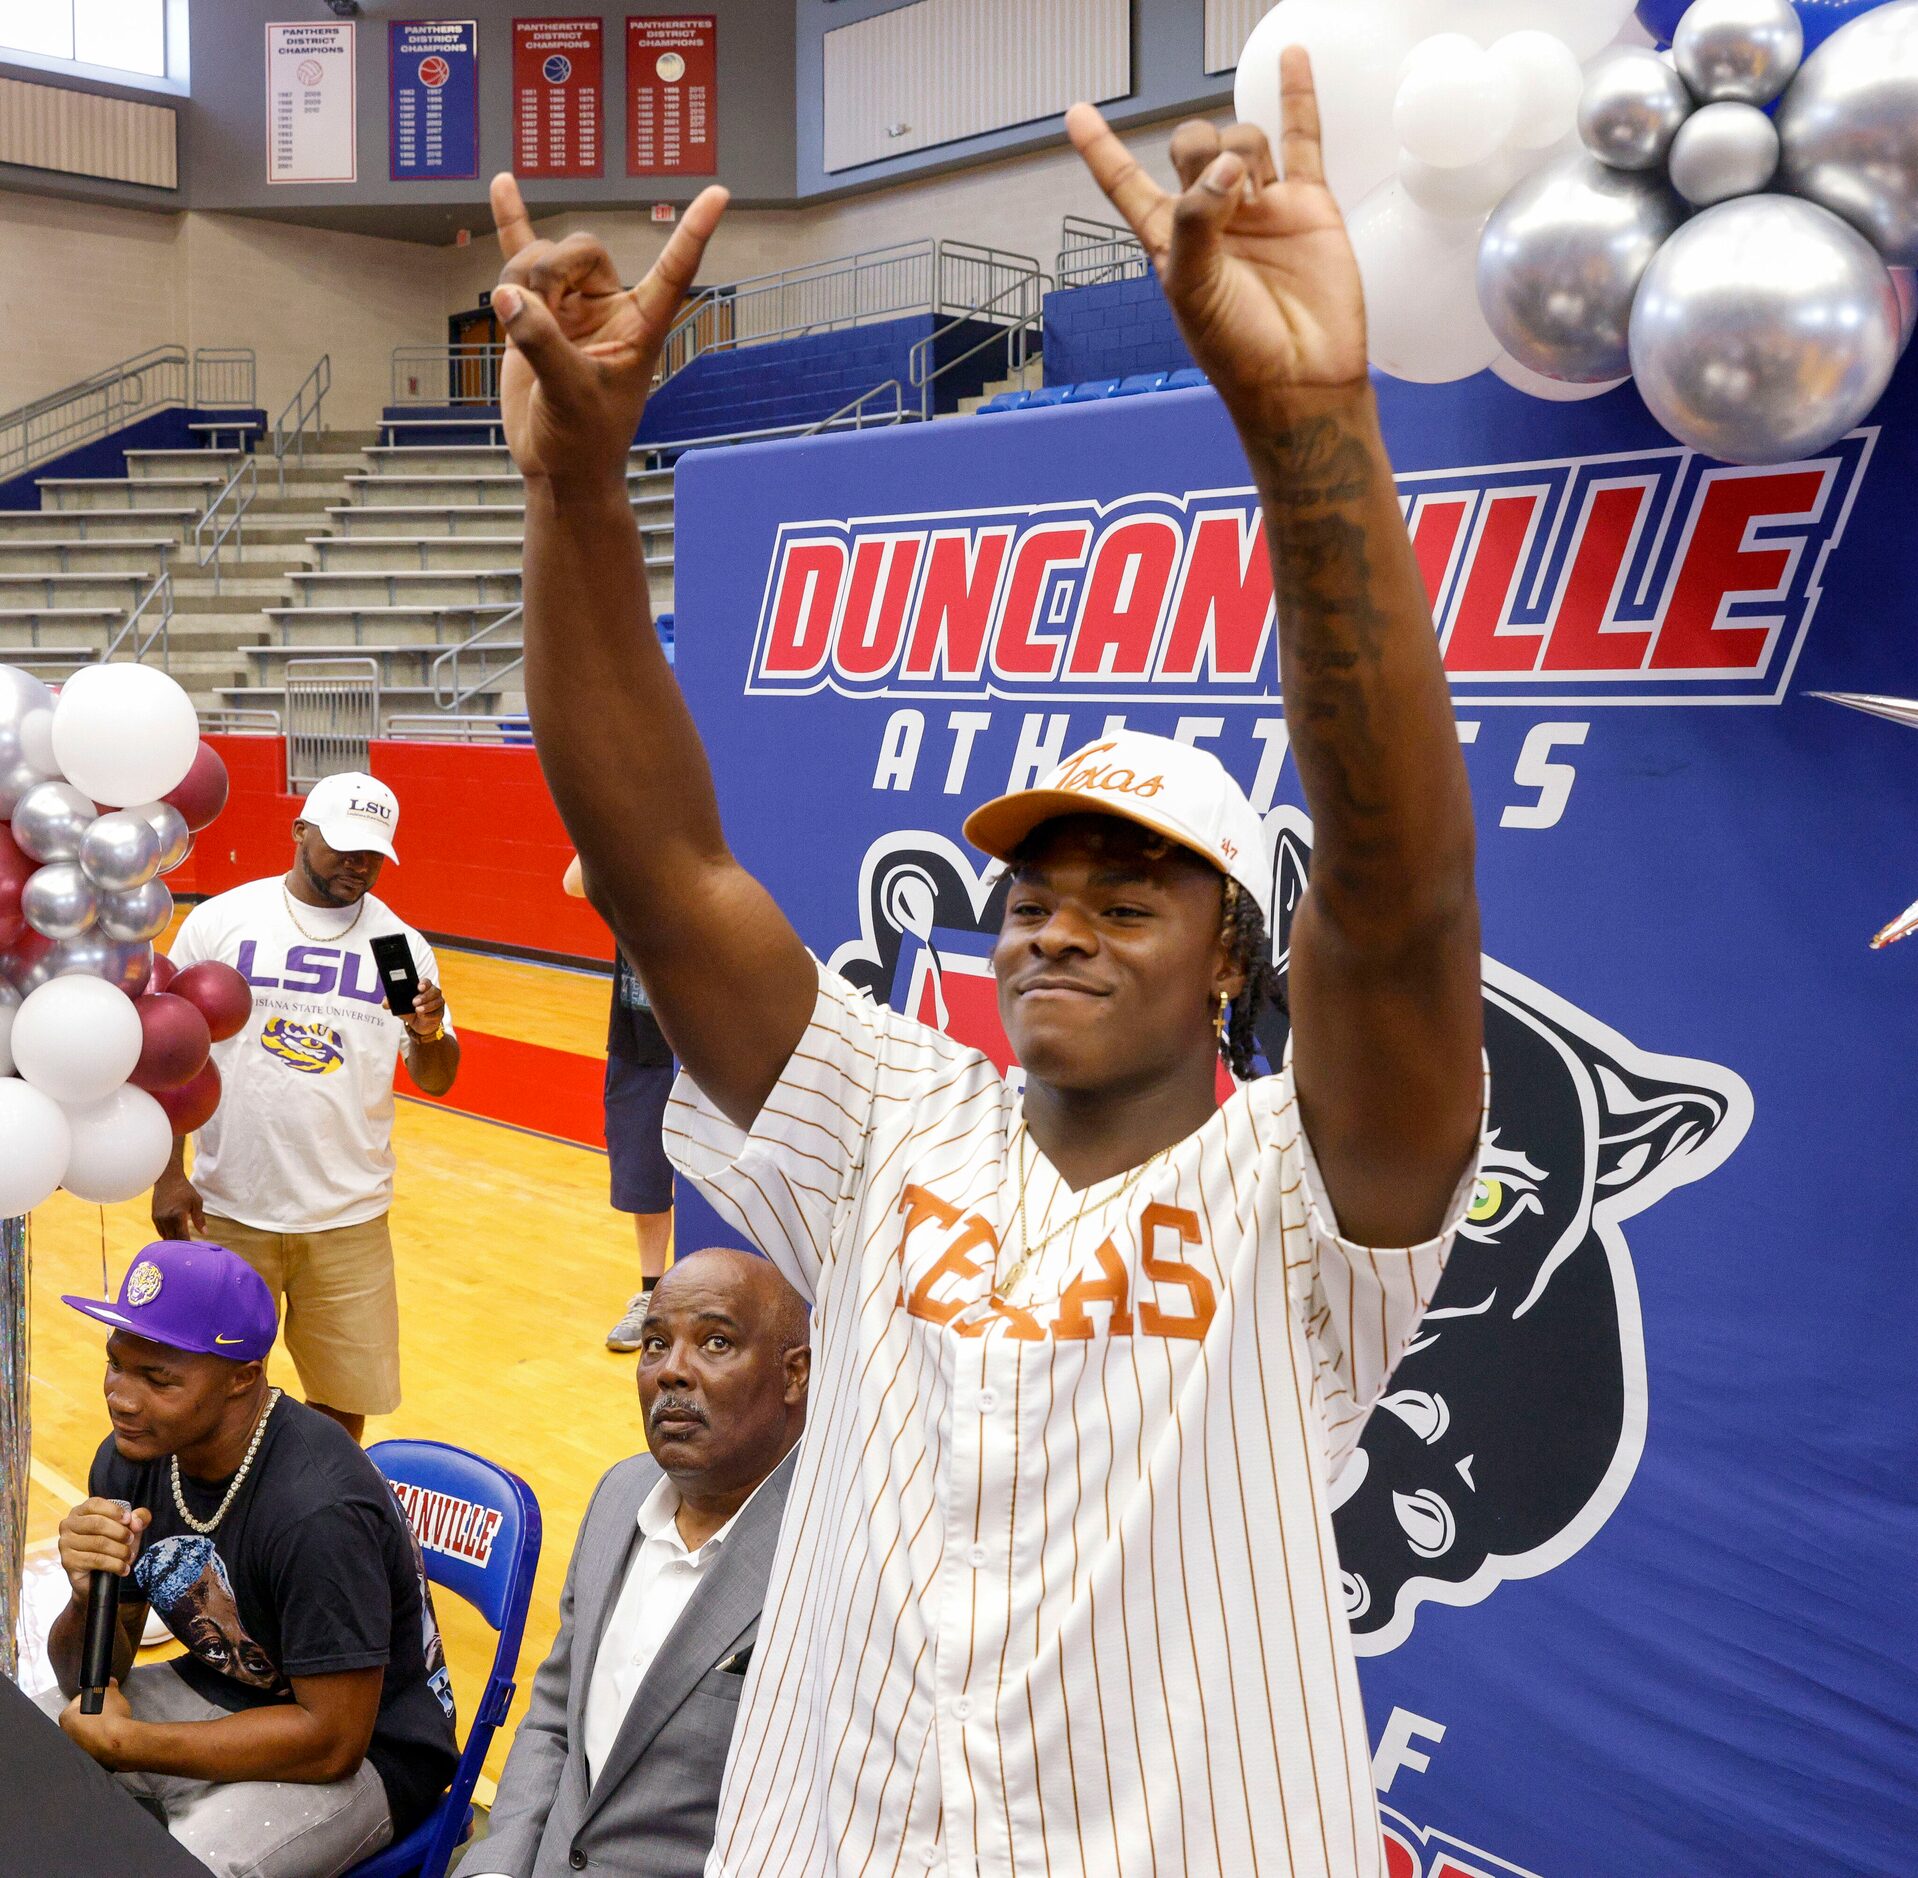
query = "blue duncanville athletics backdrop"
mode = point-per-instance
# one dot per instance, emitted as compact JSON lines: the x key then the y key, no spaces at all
{"x":1629,"y":1551}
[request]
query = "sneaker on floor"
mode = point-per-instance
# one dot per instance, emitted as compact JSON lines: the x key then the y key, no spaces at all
{"x":624,"y":1335}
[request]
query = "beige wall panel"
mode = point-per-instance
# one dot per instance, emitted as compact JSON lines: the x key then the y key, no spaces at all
{"x":948,"y":69}
{"x":1228,"y":25}
{"x":82,"y":133}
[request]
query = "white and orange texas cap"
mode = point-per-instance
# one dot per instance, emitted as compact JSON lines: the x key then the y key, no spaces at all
{"x":1173,"y":789}
{"x":355,"y":813}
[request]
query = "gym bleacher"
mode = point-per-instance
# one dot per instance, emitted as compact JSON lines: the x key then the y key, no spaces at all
{"x":287,"y":565}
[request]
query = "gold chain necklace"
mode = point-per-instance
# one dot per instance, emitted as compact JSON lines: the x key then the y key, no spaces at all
{"x":1027,"y":1253}
{"x":205,"y":1526}
{"x":320,"y":938}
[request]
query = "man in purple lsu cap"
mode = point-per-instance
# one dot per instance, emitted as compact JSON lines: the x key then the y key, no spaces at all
{"x":305,"y":1727}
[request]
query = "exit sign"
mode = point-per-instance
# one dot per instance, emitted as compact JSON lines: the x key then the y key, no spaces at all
{"x":665,"y":212}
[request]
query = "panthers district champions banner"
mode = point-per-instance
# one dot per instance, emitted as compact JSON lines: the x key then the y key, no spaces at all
{"x":1629,"y":1550}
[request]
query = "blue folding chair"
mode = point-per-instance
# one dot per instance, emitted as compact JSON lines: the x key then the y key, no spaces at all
{"x":1048,"y":395}
{"x":437,"y":1484}
{"x":1005,"y":401}
{"x":1141,"y":382}
{"x":1186,"y":378}
{"x":1092,"y":390}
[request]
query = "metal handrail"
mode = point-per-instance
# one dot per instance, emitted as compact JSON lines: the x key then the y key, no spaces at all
{"x":446,"y":692}
{"x":1092,"y":252}
{"x":470,"y":374}
{"x":929,"y":275}
{"x":851,"y":416}
{"x":233,"y":369}
{"x":208,"y":552}
{"x":241,"y":720}
{"x":1022,"y":323}
{"x":59,"y":421}
{"x":319,"y":381}
{"x":449,"y":727}
{"x":160,"y":594}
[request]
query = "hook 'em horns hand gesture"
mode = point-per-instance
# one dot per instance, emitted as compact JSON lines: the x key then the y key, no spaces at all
{"x":1256,"y":265}
{"x":583,"y":349}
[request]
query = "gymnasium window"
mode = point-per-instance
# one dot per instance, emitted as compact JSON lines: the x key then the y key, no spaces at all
{"x":109,"y":35}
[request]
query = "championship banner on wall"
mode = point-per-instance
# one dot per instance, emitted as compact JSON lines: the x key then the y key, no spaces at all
{"x":1627,"y":1550}
{"x":672,"y":95}
{"x":311,"y":111}
{"x":433,"y":98}
{"x":559,"y":95}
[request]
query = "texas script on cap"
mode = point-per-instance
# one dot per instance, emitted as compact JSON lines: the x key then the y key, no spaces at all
{"x":1177,"y":791}
{"x":191,"y":1295}
{"x":356,"y":813}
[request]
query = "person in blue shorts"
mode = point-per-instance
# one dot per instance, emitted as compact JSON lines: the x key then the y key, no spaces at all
{"x":639,"y":1079}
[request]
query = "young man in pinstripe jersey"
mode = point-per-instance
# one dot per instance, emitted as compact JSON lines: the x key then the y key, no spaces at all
{"x":1056,"y":1590}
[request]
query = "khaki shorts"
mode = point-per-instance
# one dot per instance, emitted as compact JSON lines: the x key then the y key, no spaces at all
{"x":342,"y":1308}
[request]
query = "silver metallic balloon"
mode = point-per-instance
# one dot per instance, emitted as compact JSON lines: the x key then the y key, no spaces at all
{"x":92,"y":955}
{"x":50,"y":821}
{"x":1765,"y":330}
{"x":170,"y":826}
{"x":1906,"y":282}
{"x":58,"y":900}
{"x":1722,"y":151}
{"x":1741,"y":51}
{"x":1560,"y":262}
{"x":15,"y":780}
{"x":139,"y":913}
{"x":1631,"y":109}
{"x":120,"y":851}
{"x":1849,"y":127}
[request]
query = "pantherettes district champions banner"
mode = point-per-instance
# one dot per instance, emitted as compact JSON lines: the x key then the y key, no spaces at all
{"x":1629,"y":1551}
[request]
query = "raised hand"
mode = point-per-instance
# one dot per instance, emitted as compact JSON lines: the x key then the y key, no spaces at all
{"x":1257,"y":267}
{"x":582,"y":348}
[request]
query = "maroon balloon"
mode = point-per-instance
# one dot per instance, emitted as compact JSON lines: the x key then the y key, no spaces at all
{"x":191,"y":1105}
{"x":15,"y":868}
{"x":202,"y":792}
{"x":176,"y":1042}
{"x":163,"y":974}
{"x":220,"y":994}
{"x":24,"y":953}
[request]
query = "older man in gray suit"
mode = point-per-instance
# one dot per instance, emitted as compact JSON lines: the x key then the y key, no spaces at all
{"x":617,"y":1766}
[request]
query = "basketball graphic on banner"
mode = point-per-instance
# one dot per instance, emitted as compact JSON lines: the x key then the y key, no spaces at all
{"x":434,"y":72}
{"x":557,"y":70}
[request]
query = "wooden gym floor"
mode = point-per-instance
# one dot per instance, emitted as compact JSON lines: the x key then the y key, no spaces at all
{"x":512,"y":1268}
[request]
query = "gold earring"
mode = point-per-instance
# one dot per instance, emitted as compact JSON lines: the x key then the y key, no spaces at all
{"x":1219,"y":1022}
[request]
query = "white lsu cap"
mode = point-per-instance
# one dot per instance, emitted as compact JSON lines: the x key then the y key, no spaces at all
{"x":354,"y":813}
{"x":1173,"y":789}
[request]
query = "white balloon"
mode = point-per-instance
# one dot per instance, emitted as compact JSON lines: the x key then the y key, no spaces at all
{"x":1546,"y":79}
{"x":120,"y":1146}
{"x":124,"y":733}
{"x":1357,"y":47}
{"x":1470,"y":193}
{"x":1456,"y":104}
{"x":1421,"y":290}
{"x":1552,"y":390}
{"x":36,"y":1141}
{"x":76,"y":1039}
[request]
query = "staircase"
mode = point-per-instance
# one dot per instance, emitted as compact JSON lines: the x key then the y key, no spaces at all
{"x":405,"y":556}
{"x":415,"y":567}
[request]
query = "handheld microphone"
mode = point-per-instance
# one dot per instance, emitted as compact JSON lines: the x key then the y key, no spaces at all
{"x":103,"y":1624}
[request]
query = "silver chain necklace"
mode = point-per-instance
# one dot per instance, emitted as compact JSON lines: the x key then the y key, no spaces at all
{"x":204,"y":1526}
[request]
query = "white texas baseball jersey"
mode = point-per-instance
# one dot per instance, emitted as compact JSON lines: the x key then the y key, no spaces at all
{"x":1056,"y":1591}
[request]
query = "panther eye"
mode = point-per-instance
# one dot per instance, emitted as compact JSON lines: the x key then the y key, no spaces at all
{"x":1507,"y":1189}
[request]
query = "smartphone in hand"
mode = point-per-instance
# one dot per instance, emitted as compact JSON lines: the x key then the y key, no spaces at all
{"x":394,"y":957}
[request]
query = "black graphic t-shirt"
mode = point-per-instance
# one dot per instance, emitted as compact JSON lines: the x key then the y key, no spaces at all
{"x":312,"y":1572}
{"x":634,"y":1032}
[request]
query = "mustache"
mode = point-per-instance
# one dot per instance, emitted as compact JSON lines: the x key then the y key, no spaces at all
{"x":675,"y":1405}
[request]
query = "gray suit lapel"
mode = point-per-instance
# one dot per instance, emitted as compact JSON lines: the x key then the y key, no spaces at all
{"x":726,"y":1603}
{"x":597,"y":1585}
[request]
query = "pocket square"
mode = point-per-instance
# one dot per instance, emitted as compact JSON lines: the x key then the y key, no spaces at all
{"x":735,"y":1665}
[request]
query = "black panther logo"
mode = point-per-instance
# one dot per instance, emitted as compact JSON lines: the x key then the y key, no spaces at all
{"x":1515,"y":1422}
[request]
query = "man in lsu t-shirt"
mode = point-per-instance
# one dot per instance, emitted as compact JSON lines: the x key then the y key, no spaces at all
{"x":295,"y":1169}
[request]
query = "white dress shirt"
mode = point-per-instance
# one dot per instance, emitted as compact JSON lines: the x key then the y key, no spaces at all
{"x":660,"y":1581}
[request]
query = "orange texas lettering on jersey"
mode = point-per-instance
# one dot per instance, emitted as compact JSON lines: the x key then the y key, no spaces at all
{"x":1184,"y":1309}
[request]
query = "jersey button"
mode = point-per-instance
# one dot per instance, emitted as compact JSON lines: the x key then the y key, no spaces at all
{"x":988,"y":1401}
{"x":976,"y":1558}
{"x":961,"y":1708}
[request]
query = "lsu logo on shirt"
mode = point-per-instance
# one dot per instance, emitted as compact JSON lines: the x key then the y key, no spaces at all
{"x":312,"y":1049}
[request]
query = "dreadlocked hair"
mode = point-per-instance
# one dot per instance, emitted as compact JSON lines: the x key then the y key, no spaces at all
{"x":1247,"y":946}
